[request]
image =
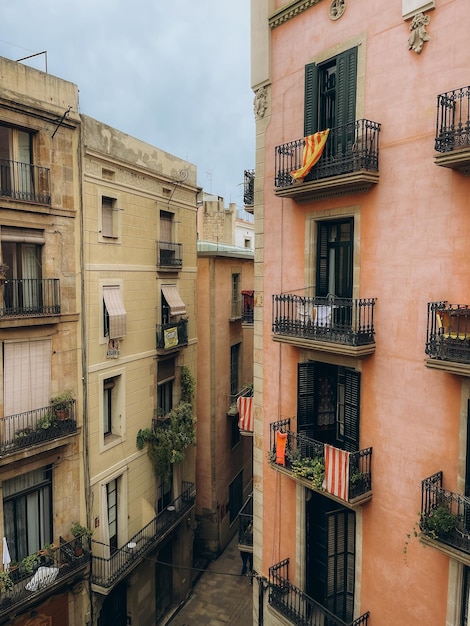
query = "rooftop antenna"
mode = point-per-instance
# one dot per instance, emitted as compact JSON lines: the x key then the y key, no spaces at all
{"x":209,"y":176}
{"x":44,"y":52}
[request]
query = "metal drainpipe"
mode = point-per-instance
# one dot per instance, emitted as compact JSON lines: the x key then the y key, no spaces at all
{"x":86,"y":464}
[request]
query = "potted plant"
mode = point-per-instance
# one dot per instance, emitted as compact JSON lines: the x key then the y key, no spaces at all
{"x":30,"y":563}
{"x":61,"y":404}
{"x":79,"y":532}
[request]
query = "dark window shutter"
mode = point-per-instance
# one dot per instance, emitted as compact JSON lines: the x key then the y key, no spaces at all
{"x":306,"y":397}
{"x":311,"y":100}
{"x":346,"y":67}
{"x":352,"y":390}
{"x":341,"y":555}
{"x":322,"y":259}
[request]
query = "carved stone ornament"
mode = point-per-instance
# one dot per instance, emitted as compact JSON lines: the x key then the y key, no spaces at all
{"x":260,"y":102}
{"x":337,"y":8}
{"x":418,"y":32}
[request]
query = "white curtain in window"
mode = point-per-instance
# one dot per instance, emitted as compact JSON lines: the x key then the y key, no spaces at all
{"x":27,"y":375}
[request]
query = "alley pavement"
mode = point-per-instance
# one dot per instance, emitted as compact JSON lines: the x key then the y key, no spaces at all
{"x":219,"y":598}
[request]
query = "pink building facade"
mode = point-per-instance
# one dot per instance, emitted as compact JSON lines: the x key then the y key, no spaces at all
{"x":361,"y":345}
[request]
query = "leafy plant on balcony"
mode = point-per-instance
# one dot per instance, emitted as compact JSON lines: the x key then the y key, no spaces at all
{"x":439,"y":522}
{"x":312,"y":469}
{"x":48,"y":420}
{"x":30,"y":563}
{"x":6,"y":582}
{"x":168,"y":439}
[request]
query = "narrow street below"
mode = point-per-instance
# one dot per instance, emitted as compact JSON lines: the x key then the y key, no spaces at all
{"x":221,"y":596}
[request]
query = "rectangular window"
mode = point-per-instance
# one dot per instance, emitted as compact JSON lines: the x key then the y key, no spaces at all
{"x":235,"y":501}
{"x":165,"y":398}
{"x":27,"y":512}
{"x":114,"y":313}
{"x":16,"y":175}
{"x":166,"y":226}
{"x":235,"y":369}
{"x":328,"y":404}
{"x":27,"y":375}
{"x":164,"y":492}
{"x":108,"y":217}
{"x":112,"y":503}
{"x":108,"y":405}
{"x":335,"y":242}
{"x":236,"y":297}
{"x":330,"y":555}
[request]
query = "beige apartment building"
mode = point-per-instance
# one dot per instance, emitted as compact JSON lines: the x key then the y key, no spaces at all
{"x":98,"y":274}
{"x":139,"y":248}
{"x":225,"y":371}
{"x":43,"y":578}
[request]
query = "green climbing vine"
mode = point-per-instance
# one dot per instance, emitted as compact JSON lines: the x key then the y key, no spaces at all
{"x":168,"y":439}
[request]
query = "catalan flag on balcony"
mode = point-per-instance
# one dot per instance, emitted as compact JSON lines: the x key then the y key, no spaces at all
{"x":313,"y":149}
{"x":245,"y":413}
{"x":337,"y":472}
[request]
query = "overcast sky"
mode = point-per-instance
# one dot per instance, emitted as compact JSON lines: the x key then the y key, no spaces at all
{"x":174,"y":73}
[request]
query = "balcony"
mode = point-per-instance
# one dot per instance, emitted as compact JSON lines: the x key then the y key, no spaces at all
{"x":297,"y":606}
{"x":349,"y":163}
{"x":169,"y":255}
{"x":172,"y":336}
{"x":30,"y":297}
{"x":32,"y":428}
{"x":249,"y":188}
{"x":448,"y":337}
{"x":445,"y":519}
{"x":245,"y":526}
{"x":107,"y":572}
{"x":24,"y":182}
{"x":453,"y":130}
{"x":338,"y":325}
{"x":304,"y":459}
{"x":54,"y":568}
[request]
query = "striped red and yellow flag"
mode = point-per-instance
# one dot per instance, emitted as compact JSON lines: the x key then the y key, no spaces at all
{"x":337,"y":472}
{"x":313,"y":149}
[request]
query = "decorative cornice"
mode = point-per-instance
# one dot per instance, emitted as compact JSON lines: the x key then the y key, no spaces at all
{"x":291,"y":10}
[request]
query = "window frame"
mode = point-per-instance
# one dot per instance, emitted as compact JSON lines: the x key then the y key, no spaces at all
{"x":117,"y":396}
{"x":113,"y":237}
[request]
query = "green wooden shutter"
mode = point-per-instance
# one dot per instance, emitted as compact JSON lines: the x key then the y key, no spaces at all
{"x":352,"y":392}
{"x":311,"y":100}
{"x":346,"y":72}
{"x":322,"y":259}
{"x":306,"y":397}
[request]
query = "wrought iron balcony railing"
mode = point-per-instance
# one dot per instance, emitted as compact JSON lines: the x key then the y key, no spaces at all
{"x":23,"y":297}
{"x":30,"y":428}
{"x":304,"y":458}
{"x":54,"y":567}
{"x":453,"y":120}
{"x":169,"y":254}
{"x":107,"y":571}
{"x":248,"y":187}
{"x":445,"y":516}
{"x":297,"y":606}
{"x":336,"y":320}
{"x":24,"y":182}
{"x":245,"y":526}
{"x":448,"y":332}
{"x":172,"y":335}
{"x":349,"y":148}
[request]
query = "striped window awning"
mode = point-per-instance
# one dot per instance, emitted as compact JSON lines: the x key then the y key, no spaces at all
{"x":173,"y":299}
{"x":115,"y":308}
